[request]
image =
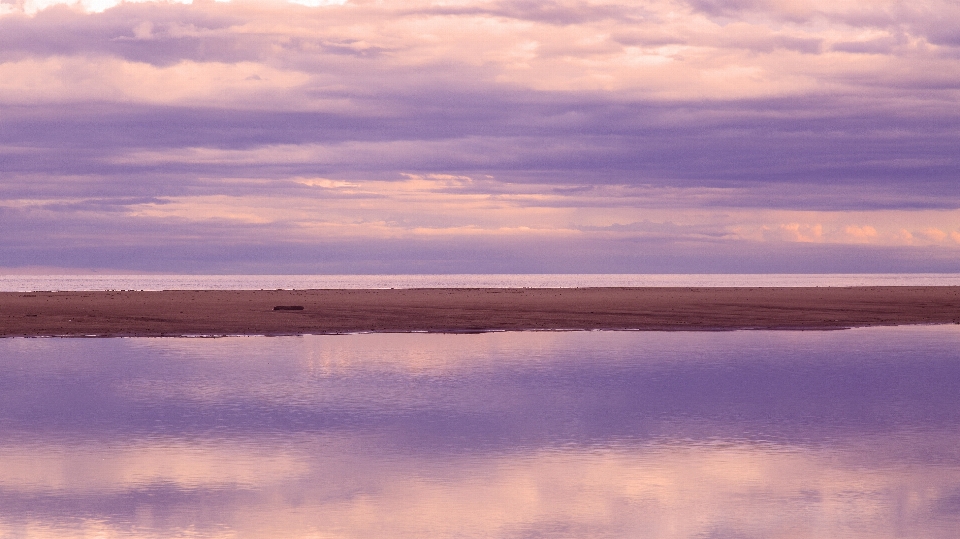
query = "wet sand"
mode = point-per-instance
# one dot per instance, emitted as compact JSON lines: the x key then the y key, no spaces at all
{"x":175,"y":313}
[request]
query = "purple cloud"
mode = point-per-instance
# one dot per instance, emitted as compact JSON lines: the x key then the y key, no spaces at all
{"x":168,"y":124}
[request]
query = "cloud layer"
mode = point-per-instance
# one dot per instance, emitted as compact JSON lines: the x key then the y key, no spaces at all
{"x":701,"y":135}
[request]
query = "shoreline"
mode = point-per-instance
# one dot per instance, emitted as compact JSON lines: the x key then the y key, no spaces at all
{"x":182,"y":313}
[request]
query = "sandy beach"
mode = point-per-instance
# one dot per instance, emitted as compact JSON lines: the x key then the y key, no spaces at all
{"x":176,"y":313}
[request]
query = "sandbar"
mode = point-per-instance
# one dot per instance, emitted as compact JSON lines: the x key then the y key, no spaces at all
{"x":459,"y":310}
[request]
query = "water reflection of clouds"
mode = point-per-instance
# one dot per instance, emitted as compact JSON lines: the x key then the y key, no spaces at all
{"x":502,"y":389}
{"x":498,"y":390}
{"x":740,"y":434}
{"x":80,"y":468}
{"x":673,"y":490}
{"x":434,"y":353}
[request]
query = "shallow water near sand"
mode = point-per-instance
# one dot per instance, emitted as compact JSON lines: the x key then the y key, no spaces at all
{"x":766,"y":434}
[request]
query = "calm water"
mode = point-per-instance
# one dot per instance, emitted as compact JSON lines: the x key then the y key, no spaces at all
{"x":30,"y":283}
{"x":846,"y":434}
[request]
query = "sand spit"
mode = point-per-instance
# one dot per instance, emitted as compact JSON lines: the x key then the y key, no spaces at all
{"x":242,"y":312}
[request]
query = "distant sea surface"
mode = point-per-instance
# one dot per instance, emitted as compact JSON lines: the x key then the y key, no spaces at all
{"x":31,"y":283}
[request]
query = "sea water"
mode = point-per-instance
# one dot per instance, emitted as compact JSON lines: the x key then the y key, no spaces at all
{"x":765,"y":434}
{"x":32,"y":283}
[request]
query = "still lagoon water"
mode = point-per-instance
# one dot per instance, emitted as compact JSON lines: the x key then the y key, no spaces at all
{"x":843,"y":434}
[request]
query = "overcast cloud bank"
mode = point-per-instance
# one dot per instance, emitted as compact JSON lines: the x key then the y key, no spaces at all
{"x":512,"y":136}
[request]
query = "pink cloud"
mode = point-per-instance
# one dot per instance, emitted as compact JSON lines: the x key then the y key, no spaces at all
{"x":861,"y":234}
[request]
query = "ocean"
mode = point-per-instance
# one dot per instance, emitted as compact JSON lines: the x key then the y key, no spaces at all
{"x":32,"y":283}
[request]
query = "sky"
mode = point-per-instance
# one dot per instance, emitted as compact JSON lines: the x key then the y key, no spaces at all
{"x":472,"y":136}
